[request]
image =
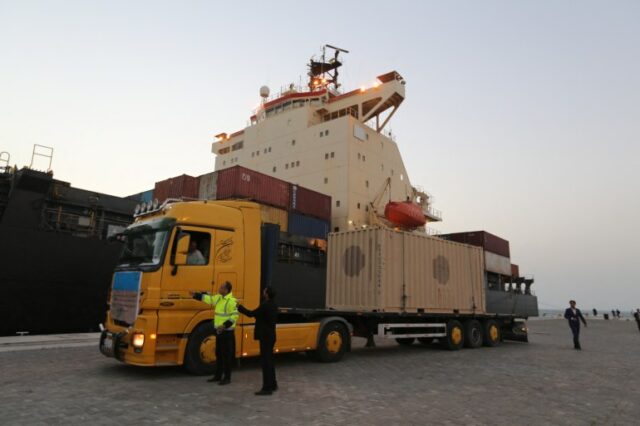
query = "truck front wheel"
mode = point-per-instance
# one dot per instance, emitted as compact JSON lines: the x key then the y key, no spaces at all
{"x":333,"y":342}
{"x":455,"y":336}
{"x":199,"y":357}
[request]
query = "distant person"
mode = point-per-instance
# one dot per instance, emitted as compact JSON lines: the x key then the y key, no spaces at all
{"x":618,"y":313}
{"x":613,"y":313}
{"x":265,"y":331}
{"x":574,"y":316}
{"x":195,"y":257}
{"x":595,"y":312}
{"x":636,"y":315}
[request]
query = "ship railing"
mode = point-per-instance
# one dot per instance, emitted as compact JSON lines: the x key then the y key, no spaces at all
{"x":433,"y":212}
{"x":432,"y":231}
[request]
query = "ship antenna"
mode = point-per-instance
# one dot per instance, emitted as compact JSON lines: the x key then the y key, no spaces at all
{"x":323,"y":74}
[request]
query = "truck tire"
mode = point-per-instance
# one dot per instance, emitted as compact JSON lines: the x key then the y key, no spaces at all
{"x":199,"y":357}
{"x":406,"y":341}
{"x":492,"y":335}
{"x":426,"y":341}
{"x":333,"y":342}
{"x":455,"y":336}
{"x":472,"y":334}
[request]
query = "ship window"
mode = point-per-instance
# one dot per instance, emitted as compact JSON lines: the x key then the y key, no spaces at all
{"x":391,"y":172}
{"x":269,"y":149}
{"x":224,"y":163}
{"x":274,"y":169}
{"x":366,"y":183}
{"x":293,"y":164}
{"x":359,"y":156}
{"x":253,"y":154}
{"x":366,"y":208}
{"x":336,"y":229}
{"x":321,"y":134}
{"x":297,"y":163}
{"x":381,"y":166}
{"x":293,"y":142}
{"x":236,"y":146}
{"x":364,"y":158}
{"x":358,"y":205}
{"x":257,"y":153}
{"x":326,"y":132}
{"x":265,"y":150}
{"x":337,"y":203}
{"x":326,"y":180}
{"x":286,"y":166}
{"x":224,"y":150}
{"x":326,"y":155}
{"x":332,"y":154}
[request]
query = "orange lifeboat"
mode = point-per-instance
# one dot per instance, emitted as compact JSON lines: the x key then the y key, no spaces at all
{"x":405,"y":214}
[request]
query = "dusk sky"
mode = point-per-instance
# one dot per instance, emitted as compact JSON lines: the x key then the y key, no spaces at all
{"x":521,"y":118}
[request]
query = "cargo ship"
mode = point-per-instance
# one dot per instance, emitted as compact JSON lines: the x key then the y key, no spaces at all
{"x":57,"y":258}
{"x":296,"y":203}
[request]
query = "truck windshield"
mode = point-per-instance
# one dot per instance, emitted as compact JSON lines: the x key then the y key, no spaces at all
{"x":144,"y":242}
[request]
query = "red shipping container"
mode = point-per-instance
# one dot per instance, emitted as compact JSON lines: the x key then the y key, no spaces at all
{"x":483,"y":239}
{"x":515,"y":271}
{"x":240,"y":182}
{"x":183,"y":186}
{"x":310,"y":203}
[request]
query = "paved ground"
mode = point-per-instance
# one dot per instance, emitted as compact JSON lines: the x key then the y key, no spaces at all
{"x":540,"y":383}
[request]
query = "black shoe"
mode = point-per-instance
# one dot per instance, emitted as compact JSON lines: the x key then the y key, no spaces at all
{"x":224,"y":382}
{"x":213,"y":379}
{"x":263,"y":392}
{"x":275,"y":388}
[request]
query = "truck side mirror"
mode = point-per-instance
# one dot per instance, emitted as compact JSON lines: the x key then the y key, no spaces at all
{"x":182,"y":249}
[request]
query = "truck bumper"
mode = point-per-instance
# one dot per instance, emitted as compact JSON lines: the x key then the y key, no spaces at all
{"x":112,"y":345}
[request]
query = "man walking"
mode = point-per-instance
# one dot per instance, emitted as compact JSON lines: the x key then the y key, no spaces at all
{"x":225,"y":318}
{"x":265,"y":331}
{"x":574,"y":316}
{"x":636,"y":315}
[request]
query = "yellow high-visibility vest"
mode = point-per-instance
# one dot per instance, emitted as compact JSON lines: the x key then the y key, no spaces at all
{"x":225,"y":308}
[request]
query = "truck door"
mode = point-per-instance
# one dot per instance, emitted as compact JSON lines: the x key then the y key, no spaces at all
{"x":178,"y":281}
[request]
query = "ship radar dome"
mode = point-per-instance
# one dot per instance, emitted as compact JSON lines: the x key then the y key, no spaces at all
{"x":264,"y":91}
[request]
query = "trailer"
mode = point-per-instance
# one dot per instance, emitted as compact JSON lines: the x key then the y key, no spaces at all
{"x":374,"y":282}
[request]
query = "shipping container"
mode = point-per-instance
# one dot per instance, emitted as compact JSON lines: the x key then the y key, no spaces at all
{"x":483,"y":239}
{"x":383,"y":270}
{"x":308,"y":226}
{"x":497,"y":264}
{"x":208,"y":186}
{"x":144,"y":196}
{"x":184,"y":187}
{"x":242,"y":183}
{"x":310,"y":203}
{"x":515,"y":270}
{"x":274,"y":215}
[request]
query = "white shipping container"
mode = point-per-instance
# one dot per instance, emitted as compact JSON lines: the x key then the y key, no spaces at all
{"x":496,"y":263}
{"x":383,"y":270}
{"x":208,"y":186}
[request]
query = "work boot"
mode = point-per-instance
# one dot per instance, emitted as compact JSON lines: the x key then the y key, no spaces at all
{"x":224,"y":382}
{"x":263,"y":392}
{"x":213,"y":379}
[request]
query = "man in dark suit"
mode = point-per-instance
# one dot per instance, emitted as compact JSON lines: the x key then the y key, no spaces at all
{"x":574,"y":316}
{"x":265,"y":331}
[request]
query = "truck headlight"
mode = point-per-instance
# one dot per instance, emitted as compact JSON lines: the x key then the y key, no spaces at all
{"x":138,"y":340}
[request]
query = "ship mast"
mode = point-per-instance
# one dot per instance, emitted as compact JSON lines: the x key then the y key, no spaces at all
{"x":324,"y":73}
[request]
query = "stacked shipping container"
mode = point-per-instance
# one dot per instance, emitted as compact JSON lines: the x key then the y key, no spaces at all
{"x":183,"y":187}
{"x":496,"y":249}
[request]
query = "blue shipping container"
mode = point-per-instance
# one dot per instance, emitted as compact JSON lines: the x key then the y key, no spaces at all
{"x":308,"y":226}
{"x":145,"y":196}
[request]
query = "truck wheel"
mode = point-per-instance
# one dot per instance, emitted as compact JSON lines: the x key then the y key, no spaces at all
{"x":333,"y":343}
{"x":455,"y":336}
{"x":492,"y":333}
{"x":406,"y":341}
{"x":200,"y":355}
{"x":472,"y":334}
{"x":426,"y":341}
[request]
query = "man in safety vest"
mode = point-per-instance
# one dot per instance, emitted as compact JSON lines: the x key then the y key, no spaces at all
{"x":226,"y":315}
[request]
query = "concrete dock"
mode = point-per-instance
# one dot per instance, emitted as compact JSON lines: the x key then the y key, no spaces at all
{"x":65,"y":380}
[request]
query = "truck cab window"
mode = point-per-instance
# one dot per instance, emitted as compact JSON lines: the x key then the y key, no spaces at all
{"x":199,"y":248}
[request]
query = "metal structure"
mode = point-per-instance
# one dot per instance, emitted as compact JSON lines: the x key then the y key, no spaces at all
{"x":45,"y":152}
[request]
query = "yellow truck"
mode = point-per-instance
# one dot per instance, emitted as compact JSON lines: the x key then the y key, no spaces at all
{"x":153,"y":320}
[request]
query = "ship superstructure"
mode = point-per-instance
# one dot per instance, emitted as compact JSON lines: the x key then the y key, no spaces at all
{"x":330,"y":141}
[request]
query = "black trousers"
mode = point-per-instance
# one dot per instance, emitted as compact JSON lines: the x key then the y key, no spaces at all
{"x":575,"y":330}
{"x":268,"y":367}
{"x":225,"y":353}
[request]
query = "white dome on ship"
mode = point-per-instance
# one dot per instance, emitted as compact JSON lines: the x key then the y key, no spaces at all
{"x":264,"y":91}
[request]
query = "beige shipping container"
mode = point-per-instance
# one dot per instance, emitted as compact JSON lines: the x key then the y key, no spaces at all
{"x":208,"y":186}
{"x":270,"y":214}
{"x":383,"y":270}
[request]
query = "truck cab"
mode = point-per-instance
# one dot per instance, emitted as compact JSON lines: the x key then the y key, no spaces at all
{"x":152,"y":317}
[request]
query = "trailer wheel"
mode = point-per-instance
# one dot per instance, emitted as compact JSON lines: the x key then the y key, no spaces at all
{"x":333,"y":342}
{"x":426,"y":341}
{"x":472,"y":334}
{"x":492,"y":333}
{"x":199,"y":356}
{"x":406,"y":341}
{"x":455,"y":336}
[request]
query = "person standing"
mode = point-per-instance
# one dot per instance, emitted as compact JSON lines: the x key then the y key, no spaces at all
{"x":265,"y":331}
{"x":636,"y":315}
{"x":574,"y":316}
{"x":225,"y":318}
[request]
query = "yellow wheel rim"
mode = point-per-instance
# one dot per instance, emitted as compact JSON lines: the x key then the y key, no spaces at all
{"x":208,"y":350}
{"x":456,"y":335}
{"x":334,"y":342}
{"x":493,"y":333}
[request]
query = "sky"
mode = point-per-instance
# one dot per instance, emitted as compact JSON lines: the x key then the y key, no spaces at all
{"x":521,"y":118}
